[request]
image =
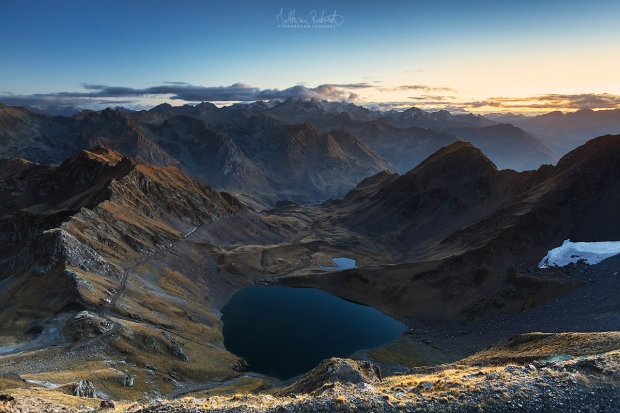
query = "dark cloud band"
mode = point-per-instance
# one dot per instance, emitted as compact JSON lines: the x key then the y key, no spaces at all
{"x":103,"y":95}
{"x":98,"y":94}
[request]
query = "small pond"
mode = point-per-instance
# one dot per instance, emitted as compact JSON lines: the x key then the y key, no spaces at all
{"x":283,"y":332}
{"x":342,"y":263}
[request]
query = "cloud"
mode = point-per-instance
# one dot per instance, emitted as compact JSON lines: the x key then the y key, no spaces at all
{"x":481,"y":103}
{"x":538,"y":103}
{"x":552,"y":101}
{"x":389,"y":105}
{"x":100,"y":94}
{"x":422,"y":88}
{"x":89,"y":86}
{"x":431,"y":97}
{"x":363,"y":85}
{"x":61,"y":99}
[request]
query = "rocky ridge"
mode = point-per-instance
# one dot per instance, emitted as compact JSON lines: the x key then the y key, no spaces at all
{"x":73,"y":227}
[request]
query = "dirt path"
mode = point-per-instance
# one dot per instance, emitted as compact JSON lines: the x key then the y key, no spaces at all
{"x":191,"y":388}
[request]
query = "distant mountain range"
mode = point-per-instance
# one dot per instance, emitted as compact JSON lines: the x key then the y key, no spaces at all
{"x":392,"y":137}
{"x":563,"y":132}
{"x":55,"y":110}
{"x":261,"y":156}
{"x":305,"y":150}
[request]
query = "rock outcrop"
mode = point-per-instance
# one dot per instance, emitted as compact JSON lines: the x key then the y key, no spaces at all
{"x":57,"y":245}
{"x":86,"y":325}
{"x":335,"y":370}
{"x":84,"y":388}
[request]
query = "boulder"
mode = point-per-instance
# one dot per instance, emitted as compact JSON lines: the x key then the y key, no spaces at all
{"x":334,"y":370}
{"x":240,"y":366}
{"x":6,"y":403}
{"x":86,"y":325}
{"x":178,"y":352}
{"x":84,"y":388}
{"x":127,"y":381}
{"x":80,"y":388}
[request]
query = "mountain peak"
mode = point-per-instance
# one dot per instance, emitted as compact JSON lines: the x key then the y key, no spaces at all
{"x":103,"y":154}
{"x":598,"y":151}
{"x":206,"y":105}
{"x":161,"y":108}
{"x":459,"y":155}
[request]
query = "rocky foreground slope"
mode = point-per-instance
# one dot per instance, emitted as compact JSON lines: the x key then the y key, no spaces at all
{"x":529,"y":373}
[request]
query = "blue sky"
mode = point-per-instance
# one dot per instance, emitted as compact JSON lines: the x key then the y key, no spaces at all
{"x":465,"y":53}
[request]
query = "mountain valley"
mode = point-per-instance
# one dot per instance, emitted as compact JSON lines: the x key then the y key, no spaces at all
{"x":120,"y":245}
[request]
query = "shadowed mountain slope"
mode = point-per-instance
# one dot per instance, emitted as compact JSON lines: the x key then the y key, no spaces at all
{"x":458,"y":193}
{"x":459,"y":222}
{"x":508,"y":146}
{"x":404,"y":138}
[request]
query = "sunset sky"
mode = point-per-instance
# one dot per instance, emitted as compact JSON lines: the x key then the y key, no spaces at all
{"x":480,"y":56}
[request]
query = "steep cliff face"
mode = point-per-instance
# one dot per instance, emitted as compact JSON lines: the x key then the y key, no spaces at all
{"x":210,"y":154}
{"x":56,"y":246}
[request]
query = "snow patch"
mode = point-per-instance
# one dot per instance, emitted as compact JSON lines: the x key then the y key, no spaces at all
{"x":591,"y":252}
{"x":46,"y":384}
{"x":189,"y":233}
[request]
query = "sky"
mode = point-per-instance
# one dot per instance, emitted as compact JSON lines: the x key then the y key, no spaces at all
{"x":478,"y":56}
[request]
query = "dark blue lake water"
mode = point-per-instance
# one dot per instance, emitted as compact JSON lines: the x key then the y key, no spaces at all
{"x":283,"y":332}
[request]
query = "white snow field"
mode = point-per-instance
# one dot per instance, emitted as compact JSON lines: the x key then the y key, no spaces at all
{"x":591,"y":252}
